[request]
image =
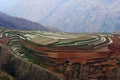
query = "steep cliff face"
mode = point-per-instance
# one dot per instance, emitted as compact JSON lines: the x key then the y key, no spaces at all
{"x":20,"y":69}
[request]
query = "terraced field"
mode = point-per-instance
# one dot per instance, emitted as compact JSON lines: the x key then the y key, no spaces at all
{"x":71,"y":56}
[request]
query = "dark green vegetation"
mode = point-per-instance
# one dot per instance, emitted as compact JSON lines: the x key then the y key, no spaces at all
{"x":28,"y":55}
{"x":25,"y":52}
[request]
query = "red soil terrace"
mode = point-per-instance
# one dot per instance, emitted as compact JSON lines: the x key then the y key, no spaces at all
{"x":73,"y":54}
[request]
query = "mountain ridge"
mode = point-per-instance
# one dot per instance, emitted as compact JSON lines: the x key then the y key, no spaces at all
{"x":71,"y":16}
{"x":11,"y":22}
{"x":87,"y":16}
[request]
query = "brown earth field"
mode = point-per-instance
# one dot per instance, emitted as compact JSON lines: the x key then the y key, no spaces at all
{"x":22,"y":59}
{"x":66,"y":58}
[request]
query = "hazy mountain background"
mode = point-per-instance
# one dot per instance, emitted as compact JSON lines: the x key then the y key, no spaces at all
{"x":68,"y":15}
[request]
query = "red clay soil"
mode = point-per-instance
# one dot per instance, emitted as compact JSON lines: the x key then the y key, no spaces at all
{"x":73,"y":54}
{"x":4,"y":40}
{"x":115,"y":47}
{"x":61,"y":54}
{"x":81,"y":57}
{"x":70,"y":53}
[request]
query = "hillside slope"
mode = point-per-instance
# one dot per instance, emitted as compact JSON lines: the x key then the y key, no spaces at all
{"x":20,"y":69}
{"x":19,"y":23}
